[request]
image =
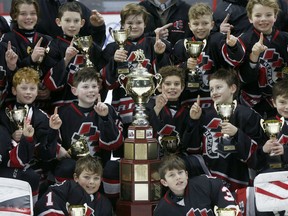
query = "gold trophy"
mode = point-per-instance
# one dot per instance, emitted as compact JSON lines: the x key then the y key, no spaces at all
{"x":169,"y":143}
{"x":77,"y":210}
{"x":226,"y":211}
{"x":140,"y":86}
{"x":120,"y":36}
{"x":225,"y":112}
{"x":272,"y":128}
{"x":79,"y":148}
{"x":83,"y":44}
{"x":194,"y":49}
{"x":18,"y":116}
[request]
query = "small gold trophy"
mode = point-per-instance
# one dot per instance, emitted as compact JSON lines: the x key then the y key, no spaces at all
{"x":79,"y":148}
{"x":194,"y":49}
{"x":226,"y":211}
{"x":77,"y":210}
{"x":169,"y":144}
{"x":272,"y":128}
{"x":140,"y":86}
{"x":225,"y":112}
{"x":83,"y":44}
{"x":120,"y":36}
{"x":18,"y":116}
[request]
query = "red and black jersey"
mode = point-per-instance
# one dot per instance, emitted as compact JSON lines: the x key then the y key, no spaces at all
{"x":231,"y":167}
{"x":208,"y":62}
{"x":103,"y":134}
{"x":58,"y":198}
{"x":201,"y":195}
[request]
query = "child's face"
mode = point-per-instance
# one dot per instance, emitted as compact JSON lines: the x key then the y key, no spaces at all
{"x":137,"y":25}
{"x":27,"y":17}
{"x":281,"y":104}
{"x":89,"y":181}
{"x":263,"y":18}
{"x":71,"y":23}
{"x":172,"y":87}
{"x":220,"y":92}
{"x":201,"y":26}
{"x":176,"y":180}
{"x":87,"y":93}
{"x":25,"y":92}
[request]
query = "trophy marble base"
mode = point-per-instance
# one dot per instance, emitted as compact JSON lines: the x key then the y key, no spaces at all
{"x":125,"y":208}
{"x":275,"y":162}
{"x":225,"y":146}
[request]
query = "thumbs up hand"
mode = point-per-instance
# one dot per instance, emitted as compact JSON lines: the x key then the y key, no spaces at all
{"x":70,"y":52}
{"x":55,"y":121}
{"x":38,"y":52}
{"x":11,"y":57}
{"x":196,"y":110}
{"x":225,"y":26}
{"x":159,"y":46}
{"x":258,"y":48}
{"x":231,"y":40}
{"x":101,"y":108}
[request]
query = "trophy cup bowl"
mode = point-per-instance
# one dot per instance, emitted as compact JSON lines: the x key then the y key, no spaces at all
{"x":18,"y":116}
{"x":120,"y":36}
{"x":79,"y":148}
{"x":225,"y":112}
{"x":226,"y":212}
{"x":140,"y":86}
{"x":170,"y":144}
{"x":194,"y":49}
{"x":83,"y":44}
{"x":77,"y":210}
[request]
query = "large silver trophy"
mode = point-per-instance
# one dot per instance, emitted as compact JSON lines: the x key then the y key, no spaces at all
{"x":225,"y":112}
{"x":140,"y":86}
{"x":77,"y":210}
{"x":120,"y":36}
{"x":272,"y":128}
{"x":18,"y":116}
{"x":194,"y":49}
{"x":84,"y":43}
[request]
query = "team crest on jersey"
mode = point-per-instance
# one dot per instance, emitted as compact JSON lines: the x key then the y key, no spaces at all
{"x":178,"y":24}
{"x":283,"y":139}
{"x":198,"y":212}
{"x":211,"y":138}
{"x":270,"y":68}
{"x":132,"y":63}
{"x":205,"y":65}
{"x":89,"y":131}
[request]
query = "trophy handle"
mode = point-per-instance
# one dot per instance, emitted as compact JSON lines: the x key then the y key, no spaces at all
{"x":121,"y":79}
{"x":282,"y":119}
{"x":8,"y":113}
{"x":110,"y":32}
{"x":262,"y":124}
{"x":158,"y":78}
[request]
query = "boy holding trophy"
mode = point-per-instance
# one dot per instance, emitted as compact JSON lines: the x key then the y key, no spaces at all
{"x":79,"y":196}
{"x":31,"y":138}
{"x":231,"y":156}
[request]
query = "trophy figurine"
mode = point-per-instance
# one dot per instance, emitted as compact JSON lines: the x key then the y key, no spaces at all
{"x":272,"y":128}
{"x":194,"y":49}
{"x":79,"y":148}
{"x":18,"y":116}
{"x":225,"y":112}
{"x":77,"y":210}
{"x":83,"y":44}
{"x":120,"y":36}
{"x":140,"y":86}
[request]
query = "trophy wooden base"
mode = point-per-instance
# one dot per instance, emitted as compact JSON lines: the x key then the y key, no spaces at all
{"x":123,"y":68}
{"x":126,"y":208}
{"x":225,"y":146}
{"x":275,"y":162}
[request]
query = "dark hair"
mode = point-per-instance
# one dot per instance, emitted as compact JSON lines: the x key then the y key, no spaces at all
{"x":69,"y":6}
{"x":133,"y":9}
{"x":172,"y":71}
{"x":88,"y":163}
{"x":14,"y":11}
{"x":280,"y":89}
{"x":86,"y":73}
{"x":170,"y":162}
{"x":229,"y":76}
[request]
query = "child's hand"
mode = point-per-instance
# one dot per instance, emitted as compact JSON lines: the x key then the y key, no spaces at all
{"x":163,"y":31}
{"x":11,"y":57}
{"x":62,"y":153}
{"x":231,"y":40}
{"x":96,"y":19}
{"x":71,"y":52}
{"x":257,"y":49}
{"x":38,"y":52}
{"x":160,"y":101}
{"x":228,"y":128}
{"x":196,"y":110}
{"x":101,"y":108}
{"x":191,"y":63}
{"x":54,"y":121}
{"x":273,"y":147}
{"x":225,"y":26}
{"x":159,"y":46}
{"x":28,"y":130}
{"x":17,"y":135}
{"x":120,"y":55}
